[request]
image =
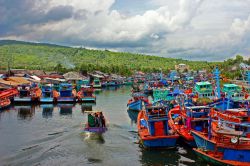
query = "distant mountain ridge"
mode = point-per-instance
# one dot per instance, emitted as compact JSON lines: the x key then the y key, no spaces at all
{"x":50,"y":57}
{"x":13,"y":42}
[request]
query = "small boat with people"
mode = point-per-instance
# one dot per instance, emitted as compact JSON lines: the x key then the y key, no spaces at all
{"x":153,"y":128}
{"x":96,"y":122}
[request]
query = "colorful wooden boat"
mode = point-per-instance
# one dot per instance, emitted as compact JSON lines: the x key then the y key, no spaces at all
{"x":4,"y":103}
{"x":66,"y":93}
{"x":97,"y":84}
{"x":162,"y":94}
{"x":96,"y":122}
{"x":135,"y":104}
{"x":5,"y":97}
{"x":203,"y":90}
{"x":153,"y":128}
{"x":183,"y":121}
{"x":137,"y":100}
{"x":86,"y":94}
{"x":222,"y":129}
{"x":234,"y":92}
{"x":228,"y":139}
{"x":28,"y":94}
{"x":47,"y":94}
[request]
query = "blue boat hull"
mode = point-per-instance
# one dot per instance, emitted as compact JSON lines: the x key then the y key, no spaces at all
{"x":222,"y":104}
{"x":237,"y":155}
{"x":47,"y":100}
{"x":204,"y":143}
{"x":136,"y":105}
{"x":88,"y":99}
{"x":160,"y":143}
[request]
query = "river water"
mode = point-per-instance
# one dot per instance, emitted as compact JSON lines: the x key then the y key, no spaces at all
{"x":52,"y":135}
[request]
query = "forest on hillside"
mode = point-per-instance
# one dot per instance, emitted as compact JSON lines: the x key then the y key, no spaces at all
{"x":62,"y":59}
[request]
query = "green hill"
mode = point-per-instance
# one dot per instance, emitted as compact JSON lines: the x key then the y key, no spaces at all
{"x":53,"y":57}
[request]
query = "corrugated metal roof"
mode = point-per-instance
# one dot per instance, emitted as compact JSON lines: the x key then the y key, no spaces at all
{"x":14,"y":81}
{"x":203,"y":83}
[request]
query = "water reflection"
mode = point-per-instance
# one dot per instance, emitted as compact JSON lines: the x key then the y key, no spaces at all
{"x":65,"y":109}
{"x":47,"y":110}
{"x":87,"y":107}
{"x":159,"y":157}
{"x":98,"y":91}
{"x":25,"y":111}
{"x":133,"y":115}
{"x":92,"y":137}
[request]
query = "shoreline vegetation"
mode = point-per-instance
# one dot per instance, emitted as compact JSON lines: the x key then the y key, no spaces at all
{"x":49,"y":57}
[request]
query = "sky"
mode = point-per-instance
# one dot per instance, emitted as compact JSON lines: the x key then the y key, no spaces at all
{"x":211,"y":30}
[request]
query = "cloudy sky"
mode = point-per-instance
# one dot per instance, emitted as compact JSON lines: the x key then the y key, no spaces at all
{"x":211,"y":30}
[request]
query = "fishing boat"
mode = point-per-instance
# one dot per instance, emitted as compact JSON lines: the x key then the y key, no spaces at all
{"x":228,"y":142}
{"x":234,"y":92}
{"x":4,"y":103}
{"x":47,"y":94}
{"x":129,"y":81}
{"x":223,"y":128}
{"x":136,"y":102}
{"x":86,"y":94}
{"x":66,"y":93}
{"x":153,"y":128}
{"x":28,"y":93}
{"x":147,"y":89}
{"x":163,"y":94}
{"x":5,"y":97}
{"x":96,"y":122}
{"x":82,"y":83}
{"x":204,"y":90}
{"x":97,"y":84}
{"x":183,"y":121}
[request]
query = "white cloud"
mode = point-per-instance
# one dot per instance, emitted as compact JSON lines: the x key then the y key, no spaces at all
{"x":184,"y":28}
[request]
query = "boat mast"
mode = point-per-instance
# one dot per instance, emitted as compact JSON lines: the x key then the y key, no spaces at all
{"x":217,"y":78}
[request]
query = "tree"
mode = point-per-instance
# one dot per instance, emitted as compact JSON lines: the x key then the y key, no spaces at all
{"x":239,"y":59}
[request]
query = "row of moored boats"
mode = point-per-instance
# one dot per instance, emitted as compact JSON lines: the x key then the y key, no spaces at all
{"x":214,"y":121}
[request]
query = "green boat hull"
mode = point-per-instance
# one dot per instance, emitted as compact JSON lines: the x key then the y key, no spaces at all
{"x":210,"y":160}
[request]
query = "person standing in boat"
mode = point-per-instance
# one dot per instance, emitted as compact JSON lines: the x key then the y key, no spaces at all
{"x":91,"y":120}
{"x":102,"y":120}
{"x":97,"y":120}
